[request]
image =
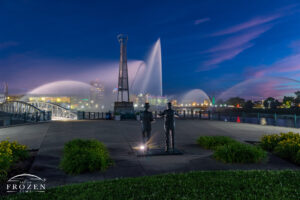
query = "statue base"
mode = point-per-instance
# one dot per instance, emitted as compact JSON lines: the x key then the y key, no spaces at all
{"x":123,"y":107}
{"x":158,"y":152}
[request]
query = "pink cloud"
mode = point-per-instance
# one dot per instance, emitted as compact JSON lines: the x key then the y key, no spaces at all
{"x":277,"y":80}
{"x":223,"y":56}
{"x":232,"y":46}
{"x":249,"y":24}
{"x":295,"y":45}
{"x":260,"y":88}
{"x":200,"y":21}
{"x":239,"y":40}
{"x":290,"y":64}
{"x":8,"y":44}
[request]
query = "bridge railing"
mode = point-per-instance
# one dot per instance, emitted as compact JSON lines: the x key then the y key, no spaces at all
{"x":291,"y":120}
{"x":24,"y":112}
{"x":58,"y":112}
{"x":93,"y":115}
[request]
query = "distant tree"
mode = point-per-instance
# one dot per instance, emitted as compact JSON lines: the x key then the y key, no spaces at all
{"x":248,"y":105}
{"x":297,"y":99}
{"x":236,"y":101}
{"x":258,"y":104}
{"x":220,"y":101}
{"x":272,"y":103}
{"x":297,"y":93}
{"x":288,"y":101}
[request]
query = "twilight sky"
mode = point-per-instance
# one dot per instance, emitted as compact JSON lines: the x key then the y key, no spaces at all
{"x":227,"y":48}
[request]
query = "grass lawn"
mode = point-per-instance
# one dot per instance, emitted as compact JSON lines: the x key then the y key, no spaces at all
{"x":252,"y":184}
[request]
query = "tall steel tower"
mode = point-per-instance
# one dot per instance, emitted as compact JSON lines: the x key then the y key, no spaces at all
{"x":123,"y":105}
{"x":123,"y":89}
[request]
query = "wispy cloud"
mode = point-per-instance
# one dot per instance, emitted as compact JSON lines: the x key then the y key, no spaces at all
{"x":288,"y":66}
{"x":239,"y":40}
{"x":259,"y":20}
{"x":4,"y":45}
{"x":278,"y":79}
{"x":248,"y":24}
{"x":222,"y":56}
{"x":295,"y":45}
{"x":231,"y":47}
{"x":242,"y":39}
{"x":261,"y":88}
{"x":200,"y":21}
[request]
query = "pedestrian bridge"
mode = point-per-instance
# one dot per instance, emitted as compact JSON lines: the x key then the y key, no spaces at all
{"x":20,"y":110}
{"x":58,"y":112}
{"x":37,"y":111}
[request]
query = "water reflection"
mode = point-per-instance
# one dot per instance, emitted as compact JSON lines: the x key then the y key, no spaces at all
{"x":263,"y":121}
{"x":255,"y":118}
{"x":238,"y":120}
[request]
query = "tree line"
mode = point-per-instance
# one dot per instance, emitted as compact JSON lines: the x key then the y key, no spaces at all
{"x":268,"y":103}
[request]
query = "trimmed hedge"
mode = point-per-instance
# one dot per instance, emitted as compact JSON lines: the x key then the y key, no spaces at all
{"x":253,"y":184}
{"x":212,"y":142}
{"x":285,"y":145}
{"x":84,"y":156}
{"x":10,"y":153}
{"x":231,"y":151}
{"x":239,"y":153}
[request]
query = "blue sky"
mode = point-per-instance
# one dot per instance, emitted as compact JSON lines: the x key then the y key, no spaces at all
{"x":227,"y":48}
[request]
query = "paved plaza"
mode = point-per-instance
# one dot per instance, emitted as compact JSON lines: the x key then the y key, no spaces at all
{"x":121,"y":137}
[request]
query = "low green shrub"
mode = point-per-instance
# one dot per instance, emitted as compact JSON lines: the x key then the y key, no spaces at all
{"x":212,"y":142}
{"x":269,"y":142}
{"x":239,"y":153}
{"x":287,"y":149}
{"x":285,"y":145}
{"x":297,"y":158}
{"x":10,"y":153}
{"x":3,"y":175}
{"x":84,"y":155}
{"x":6,"y":161}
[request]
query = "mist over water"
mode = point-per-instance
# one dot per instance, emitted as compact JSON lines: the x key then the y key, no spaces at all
{"x":195,"y":95}
{"x":144,"y":77}
{"x":262,"y":87}
{"x":62,"y":88}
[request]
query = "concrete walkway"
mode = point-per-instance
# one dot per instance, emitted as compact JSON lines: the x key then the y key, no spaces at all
{"x":121,"y":137}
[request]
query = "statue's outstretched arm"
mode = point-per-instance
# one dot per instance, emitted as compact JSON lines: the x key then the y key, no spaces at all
{"x":162,"y":114}
{"x":152,"y":119}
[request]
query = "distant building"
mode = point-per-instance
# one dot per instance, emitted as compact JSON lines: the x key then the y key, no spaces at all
{"x":4,"y":93}
{"x":156,"y":102}
{"x":14,"y":97}
{"x":97,"y":90}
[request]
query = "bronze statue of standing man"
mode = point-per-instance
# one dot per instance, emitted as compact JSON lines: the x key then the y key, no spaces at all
{"x":169,"y":126}
{"x":146,"y":119}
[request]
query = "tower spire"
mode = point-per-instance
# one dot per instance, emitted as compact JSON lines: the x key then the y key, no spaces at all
{"x":5,"y":91}
{"x":123,"y":89}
